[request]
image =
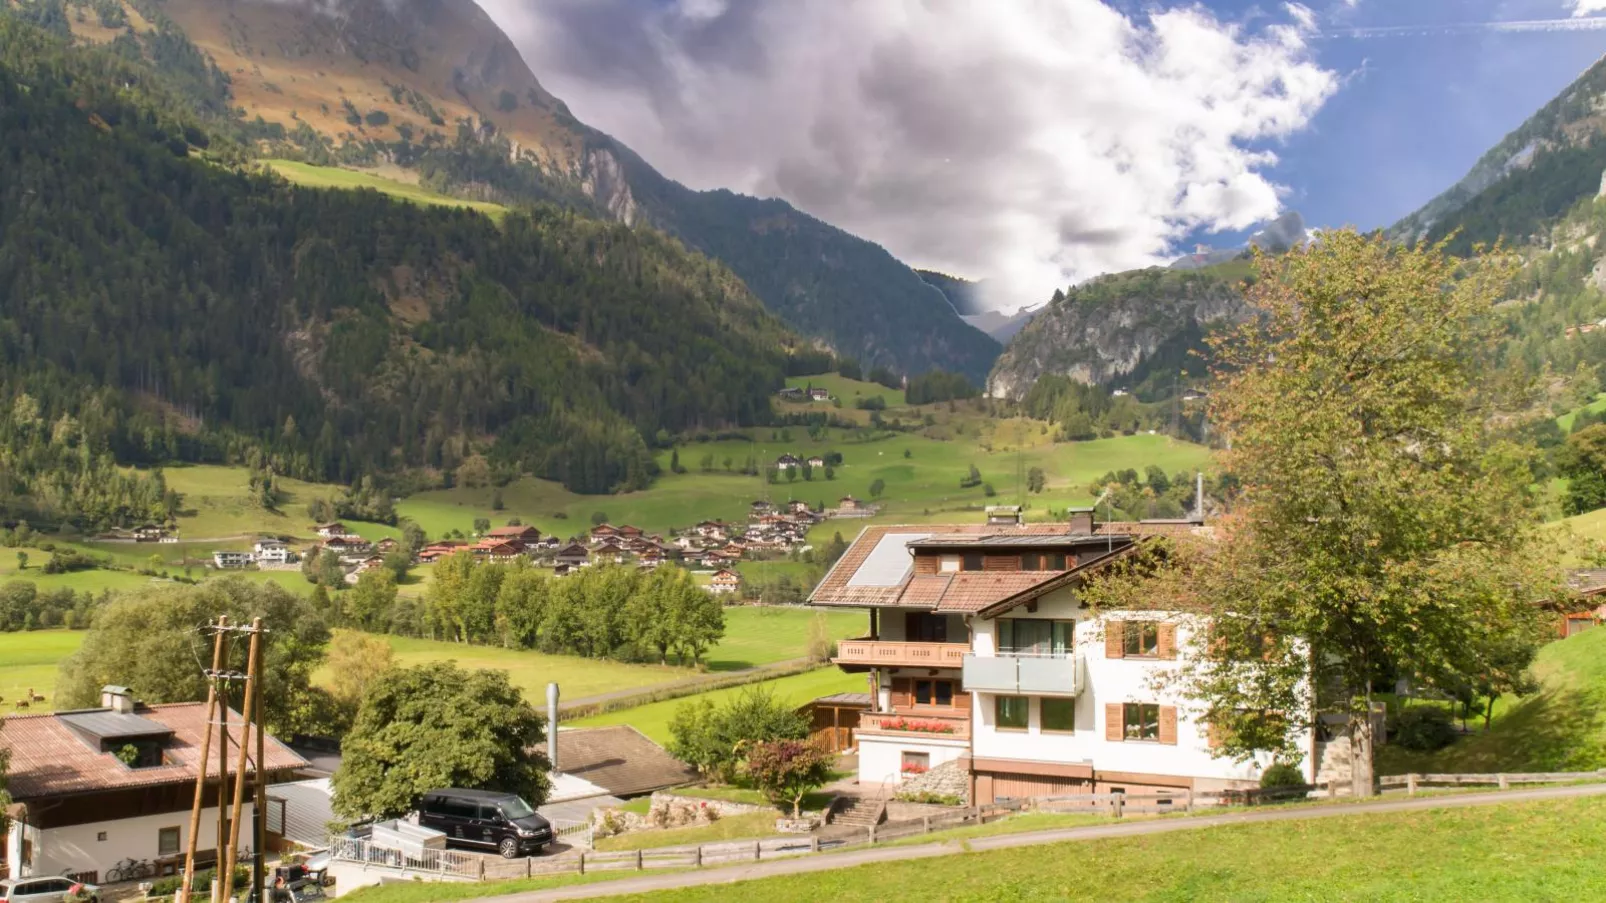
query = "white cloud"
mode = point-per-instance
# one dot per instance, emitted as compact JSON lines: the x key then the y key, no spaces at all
{"x":1032,"y":142}
{"x":1302,"y":14}
{"x":1588,"y":7}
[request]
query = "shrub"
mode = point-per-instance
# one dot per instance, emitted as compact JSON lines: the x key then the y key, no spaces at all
{"x":930,"y":798}
{"x":1424,"y":728}
{"x":166,"y":887}
{"x":1282,"y":774}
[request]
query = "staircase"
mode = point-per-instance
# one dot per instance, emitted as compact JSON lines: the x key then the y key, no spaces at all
{"x":862,"y":813}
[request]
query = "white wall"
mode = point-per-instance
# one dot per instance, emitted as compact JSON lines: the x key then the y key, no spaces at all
{"x":1110,"y":680}
{"x":881,"y":758}
{"x":79,"y":847}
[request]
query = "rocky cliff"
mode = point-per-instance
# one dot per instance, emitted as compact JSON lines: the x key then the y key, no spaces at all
{"x":1116,"y":329}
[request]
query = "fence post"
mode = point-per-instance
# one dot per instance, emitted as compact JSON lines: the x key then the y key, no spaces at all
{"x":479,"y":868}
{"x":1505,"y":784}
{"x":1118,"y":803}
{"x":582,"y":862}
{"x":925,"y":824}
{"x":529,"y":866}
{"x":758,"y":850}
{"x":814,"y":843}
{"x":1410,"y":784}
{"x":638,"y":861}
{"x":872,"y":835}
{"x":1190,"y":801}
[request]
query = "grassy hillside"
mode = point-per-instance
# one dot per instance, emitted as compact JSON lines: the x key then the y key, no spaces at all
{"x":653,"y":719}
{"x":1560,"y":728}
{"x":849,"y":390}
{"x":332,"y":177}
{"x":1528,"y":851}
{"x":30,"y":660}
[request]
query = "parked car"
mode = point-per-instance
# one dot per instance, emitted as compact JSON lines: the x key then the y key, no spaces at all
{"x":306,"y":890}
{"x":46,"y":890}
{"x":485,"y":819}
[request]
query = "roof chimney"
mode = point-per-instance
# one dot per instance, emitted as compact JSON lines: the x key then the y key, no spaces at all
{"x":552,"y":725}
{"x":1005,"y":516}
{"x":1081,"y":521}
{"x":1198,"y":497}
{"x":118,"y":699}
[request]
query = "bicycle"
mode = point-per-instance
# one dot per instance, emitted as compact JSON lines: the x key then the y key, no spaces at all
{"x":128,"y":870}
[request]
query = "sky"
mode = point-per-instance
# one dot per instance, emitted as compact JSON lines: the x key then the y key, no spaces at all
{"x":1038,"y":143}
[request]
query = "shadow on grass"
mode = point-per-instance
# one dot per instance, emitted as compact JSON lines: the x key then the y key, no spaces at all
{"x":1555,"y":729}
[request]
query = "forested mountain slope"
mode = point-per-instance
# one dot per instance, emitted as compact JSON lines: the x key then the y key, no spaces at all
{"x":436,"y":89}
{"x":163,"y":306}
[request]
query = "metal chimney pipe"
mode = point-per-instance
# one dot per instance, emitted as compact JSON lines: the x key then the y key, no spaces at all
{"x":552,"y":725}
{"x":1198,"y":495}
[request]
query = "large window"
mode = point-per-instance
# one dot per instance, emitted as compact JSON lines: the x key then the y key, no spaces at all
{"x":1012,"y":712}
{"x":934,"y":692}
{"x":1142,"y":638}
{"x":971,"y":561}
{"x":1141,"y":721}
{"x":925,"y":627}
{"x":1033,"y":636}
{"x":1059,"y":714}
{"x":1043,"y":561}
{"x":167,"y":841}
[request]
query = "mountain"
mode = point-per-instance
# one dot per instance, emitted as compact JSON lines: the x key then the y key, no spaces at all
{"x":966,"y":298}
{"x":1278,"y":236}
{"x":434,"y":90}
{"x":159,"y":302}
{"x":1530,"y":179}
{"x":1120,"y":329}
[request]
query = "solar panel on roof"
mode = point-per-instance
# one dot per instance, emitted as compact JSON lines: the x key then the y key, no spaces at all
{"x":102,"y":726}
{"x":888,"y":563}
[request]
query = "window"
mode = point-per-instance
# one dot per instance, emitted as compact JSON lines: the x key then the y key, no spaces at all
{"x":1050,"y":561}
{"x":916,"y":763}
{"x":934,"y":692}
{"x":1142,"y":638}
{"x":1058,"y":714}
{"x":1031,"y":636}
{"x":949,"y":564}
{"x":100,"y":836}
{"x":970,"y":561}
{"x":1141,"y":721}
{"x":1012,"y":712}
{"x":924,"y":627}
{"x":167,"y":841}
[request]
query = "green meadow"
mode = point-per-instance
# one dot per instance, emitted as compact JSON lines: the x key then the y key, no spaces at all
{"x":310,"y":176}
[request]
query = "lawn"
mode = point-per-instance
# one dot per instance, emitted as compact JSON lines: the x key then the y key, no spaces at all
{"x":31,"y":660}
{"x":653,"y":719}
{"x":1560,"y":728}
{"x":848,"y":390}
{"x":748,"y":826}
{"x":350,"y":180}
{"x":1521,"y":851}
{"x":1565,"y":421}
{"x":759,"y":635}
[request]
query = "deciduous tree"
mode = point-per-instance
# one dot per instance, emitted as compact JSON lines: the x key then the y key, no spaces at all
{"x":786,"y":770}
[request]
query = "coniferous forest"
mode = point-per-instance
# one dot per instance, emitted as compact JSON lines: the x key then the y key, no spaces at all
{"x":162,"y":305}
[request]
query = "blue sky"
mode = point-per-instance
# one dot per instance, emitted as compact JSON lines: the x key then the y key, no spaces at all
{"x":1416,"y":110}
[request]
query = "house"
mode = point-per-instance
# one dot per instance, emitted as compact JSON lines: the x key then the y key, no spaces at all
{"x":438,"y":550}
{"x":981,"y":657}
{"x":149,"y":533}
{"x":331,"y":530}
{"x":96,"y":786}
{"x":819,"y":394}
{"x":526,"y":535}
{"x":788,"y":462}
{"x":791,"y":393}
{"x":816,"y":463}
{"x":725,"y":582}
{"x":386,"y":546}
{"x":348,"y":545}
{"x":849,"y":503}
{"x":230,"y":561}
{"x":759,"y":507}
{"x":798,"y":507}
{"x":628,"y":532}
{"x":271,"y":551}
{"x":573,"y":555}
{"x":620,"y":760}
{"x":496,"y":551}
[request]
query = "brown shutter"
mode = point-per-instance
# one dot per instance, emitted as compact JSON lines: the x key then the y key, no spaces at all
{"x":902,"y":693}
{"x":1166,"y":641}
{"x":961,"y":699}
{"x":1214,"y":735}
{"x":1114,"y":722}
{"x":1168,"y":724}
{"x":925,"y":564}
{"x":1001,"y":563}
{"x":1115,"y":639}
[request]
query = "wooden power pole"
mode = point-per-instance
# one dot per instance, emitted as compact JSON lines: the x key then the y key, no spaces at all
{"x":226,"y":875}
{"x":218,"y":637}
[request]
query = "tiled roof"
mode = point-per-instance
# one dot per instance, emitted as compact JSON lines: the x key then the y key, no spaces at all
{"x":925,"y":590}
{"x":48,"y":759}
{"x":620,"y":760}
{"x":975,"y":590}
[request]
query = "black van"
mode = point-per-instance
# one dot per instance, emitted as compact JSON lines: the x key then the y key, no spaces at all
{"x":485,"y":818}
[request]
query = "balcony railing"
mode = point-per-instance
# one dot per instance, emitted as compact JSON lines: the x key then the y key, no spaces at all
{"x":938,"y":727}
{"x":882,"y":653}
{"x":1025,"y":674}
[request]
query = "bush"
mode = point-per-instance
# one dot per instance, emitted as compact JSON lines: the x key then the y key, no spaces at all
{"x":929,"y":797}
{"x":166,"y":887}
{"x":1282,"y":774}
{"x":1424,"y":728}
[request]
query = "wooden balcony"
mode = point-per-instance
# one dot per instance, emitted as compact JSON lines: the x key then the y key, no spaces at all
{"x":884,"y":654}
{"x":937,"y":727}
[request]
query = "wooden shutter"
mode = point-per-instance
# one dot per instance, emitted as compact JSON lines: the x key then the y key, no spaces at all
{"x":1166,"y":641}
{"x":1114,"y":722}
{"x":1001,"y":563}
{"x":1115,"y":639}
{"x":1168,"y":724}
{"x":1214,"y":735}
{"x":961,"y":698}
{"x":902,"y":693}
{"x":925,"y":564}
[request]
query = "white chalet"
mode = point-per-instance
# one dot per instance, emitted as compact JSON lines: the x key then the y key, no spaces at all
{"x":272,"y":551}
{"x":230,"y":560}
{"x":979,"y":651}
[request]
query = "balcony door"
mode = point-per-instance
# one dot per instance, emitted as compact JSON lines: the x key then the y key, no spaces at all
{"x":925,"y":627}
{"x":1032,"y":636}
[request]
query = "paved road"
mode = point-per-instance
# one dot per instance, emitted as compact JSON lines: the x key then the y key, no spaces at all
{"x":873,"y":855}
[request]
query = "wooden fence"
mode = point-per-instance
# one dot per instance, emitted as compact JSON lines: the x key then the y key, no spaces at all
{"x":1503,"y":780}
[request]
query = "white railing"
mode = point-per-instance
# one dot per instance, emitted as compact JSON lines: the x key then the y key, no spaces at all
{"x":575,"y":834}
{"x":443,"y":862}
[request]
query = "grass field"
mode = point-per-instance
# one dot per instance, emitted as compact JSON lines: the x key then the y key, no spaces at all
{"x":850,"y":391}
{"x":735,"y":827}
{"x":1524,"y":851}
{"x":1565,"y":421}
{"x":329,"y":177}
{"x":653,"y":719}
{"x":1560,"y":728}
{"x":30,"y":660}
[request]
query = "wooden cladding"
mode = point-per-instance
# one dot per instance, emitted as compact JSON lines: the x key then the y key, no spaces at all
{"x":1168,"y":725}
{"x":1000,"y":563}
{"x":1115,"y":639}
{"x":926,"y":564}
{"x":1114,"y":722}
{"x":1167,"y":645}
{"x":902,"y":693}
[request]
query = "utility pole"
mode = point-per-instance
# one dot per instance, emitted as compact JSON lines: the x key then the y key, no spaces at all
{"x":219,"y":632}
{"x":247,"y":710}
{"x":260,"y":810}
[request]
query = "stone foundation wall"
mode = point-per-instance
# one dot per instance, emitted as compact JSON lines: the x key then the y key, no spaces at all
{"x":947,"y":779}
